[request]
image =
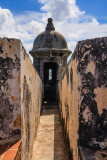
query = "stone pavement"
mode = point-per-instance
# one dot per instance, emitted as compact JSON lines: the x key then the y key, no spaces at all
{"x":49,"y":143}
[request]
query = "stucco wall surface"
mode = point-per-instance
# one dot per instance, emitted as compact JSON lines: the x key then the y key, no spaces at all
{"x":31,"y":93}
{"x":68,"y":105}
{"x":83,"y":97}
{"x":10,"y":108}
{"x":92,"y":72}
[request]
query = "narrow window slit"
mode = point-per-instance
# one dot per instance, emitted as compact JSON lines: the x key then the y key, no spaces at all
{"x":50,"y":74}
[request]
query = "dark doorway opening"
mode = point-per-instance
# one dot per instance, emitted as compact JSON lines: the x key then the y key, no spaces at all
{"x":50,"y":81}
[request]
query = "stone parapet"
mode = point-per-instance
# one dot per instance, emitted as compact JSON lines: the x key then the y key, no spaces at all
{"x":83,"y":97}
{"x":10,"y":106}
{"x":31,"y":99}
{"x":20,"y":97}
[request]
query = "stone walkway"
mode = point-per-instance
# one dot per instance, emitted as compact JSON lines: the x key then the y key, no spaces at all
{"x":49,"y":143}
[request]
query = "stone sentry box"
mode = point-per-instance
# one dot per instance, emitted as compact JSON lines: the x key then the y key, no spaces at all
{"x":50,"y":54}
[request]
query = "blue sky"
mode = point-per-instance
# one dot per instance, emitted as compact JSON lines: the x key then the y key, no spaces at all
{"x":96,"y":8}
{"x":21,"y":5}
{"x":75,"y":19}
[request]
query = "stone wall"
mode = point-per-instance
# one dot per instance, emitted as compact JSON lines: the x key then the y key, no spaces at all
{"x":20,"y":95}
{"x":31,"y":89}
{"x":68,"y":105}
{"x":39,"y":64}
{"x":10,"y":108}
{"x":83,"y":97}
{"x":92,"y":70}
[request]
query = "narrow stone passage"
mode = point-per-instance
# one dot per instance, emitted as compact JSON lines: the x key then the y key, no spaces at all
{"x":49,"y":143}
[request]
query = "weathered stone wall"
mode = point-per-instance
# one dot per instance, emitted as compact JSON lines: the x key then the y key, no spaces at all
{"x":20,"y":94}
{"x":31,"y":89}
{"x":92,"y":72}
{"x":10,"y":108}
{"x":68,"y":105}
{"x":39,"y":65}
{"x":83,"y":97}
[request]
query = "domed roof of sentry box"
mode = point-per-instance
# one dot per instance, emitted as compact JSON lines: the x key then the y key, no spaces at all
{"x":49,"y":41}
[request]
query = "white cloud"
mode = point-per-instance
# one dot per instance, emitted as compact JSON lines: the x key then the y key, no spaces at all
{"x":6,"y":21}
{"x":61,"y":10}
{"x":25,"y":26}
{"x":74,"y":24}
